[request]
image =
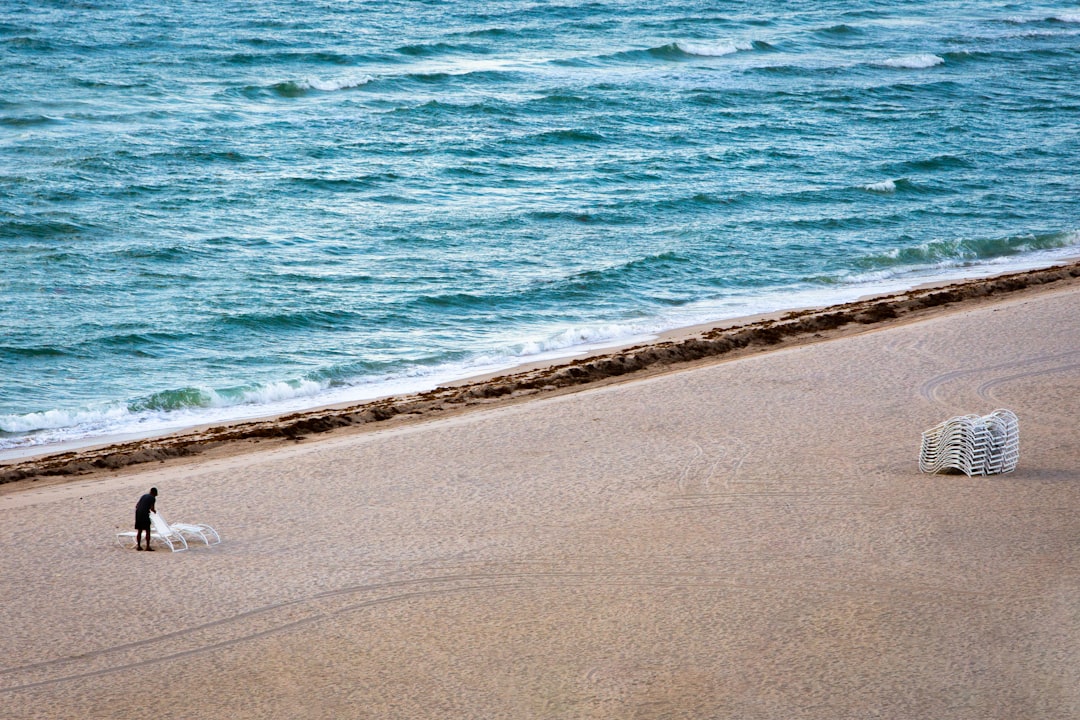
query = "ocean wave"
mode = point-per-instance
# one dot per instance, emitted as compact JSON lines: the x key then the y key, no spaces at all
{"x":1062,"y":17}
{"x":344,"y":185}
{"x":197,"y":397}
{"x":914,"y":62}
{"x":454,"y":111}
{"x":677,"y":51}
{"x":931,"y":164}
{"x":155,"y":344}
{"x":892,"y":186}
{"x":20,"y":229}
{"x":796,"y":70}
{"x":492,"y":32}
{"x":563,"y":98}
{"x":1038,"y":34}
{"x":156,"y":412}
{"x":17,"y":352}
{"x":703,"y":201}
{"x":295,"y":88}
{"x":581,"y":337}
{"x":940,"y":254}
{"x":29,"y":120}
{"x":171,"y":254}
{"x":627,"y":274}
{"x":266,"y":42}
{"x":323,"y":320}
{"x":840,"y":30}
{"x":562,"y":215}
{"x":884,"y":186}
{"x":7,"y":27}
{"x":89,"y":421}
{"x":26,"y":42}
{"x":959,"y":56}
{"x":566,"y":136}
{"x":1041,"y":27}
{"x":452,"y":73}
{"x":458,"y":300}
{"x":441,"y":48}
{"x":321,"y":58}
{"x":554,"y":291}
{"x":174,"y":400}
{"x":712,"y":49}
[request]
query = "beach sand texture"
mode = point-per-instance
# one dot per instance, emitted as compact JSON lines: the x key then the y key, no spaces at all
{"x":747,"y":539}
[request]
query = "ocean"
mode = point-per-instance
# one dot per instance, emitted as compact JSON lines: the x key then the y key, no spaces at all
{"x":220,"y":210}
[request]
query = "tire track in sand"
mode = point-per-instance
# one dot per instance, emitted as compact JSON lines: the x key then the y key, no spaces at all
{"x":275,"y":619}
{"x":933,"y":389}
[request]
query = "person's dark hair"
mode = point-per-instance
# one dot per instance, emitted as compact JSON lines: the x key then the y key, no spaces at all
{"x":153,"y":491}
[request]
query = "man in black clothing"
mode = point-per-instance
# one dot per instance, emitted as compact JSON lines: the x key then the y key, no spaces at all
{"x":143,"y":508}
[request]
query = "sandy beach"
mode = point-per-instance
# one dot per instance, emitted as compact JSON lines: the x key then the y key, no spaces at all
{"x":745,"y":535}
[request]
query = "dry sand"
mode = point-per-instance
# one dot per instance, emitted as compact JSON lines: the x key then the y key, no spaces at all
{"x":744,"y":539}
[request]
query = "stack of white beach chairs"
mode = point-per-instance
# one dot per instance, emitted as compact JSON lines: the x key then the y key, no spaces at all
{"x":972,"y":444}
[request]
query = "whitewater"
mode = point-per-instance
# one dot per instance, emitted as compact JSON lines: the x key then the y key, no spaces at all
{"x":218,"y":211}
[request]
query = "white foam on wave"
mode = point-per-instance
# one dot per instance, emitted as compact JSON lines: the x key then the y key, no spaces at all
{"x":333,"y":84}
{"x":577,"y":337}
{"x":914,"y":62}
{"x":885,"y":186}
{"x":36,"y":429}
{"x":949,"y":260}
{"x":1064,"y":17}
{"x":269,"y":393}
{"x":55,"y":419}
{"x":714,"y":49}
{"x":1068,"y":18}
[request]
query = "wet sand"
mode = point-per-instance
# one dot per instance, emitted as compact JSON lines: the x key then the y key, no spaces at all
{"x":741,"y":534}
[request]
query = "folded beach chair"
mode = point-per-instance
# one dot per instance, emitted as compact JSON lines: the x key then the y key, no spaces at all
{"x":972,"y":444}
{"x":161,"y":531}
{"x":207,"y":534}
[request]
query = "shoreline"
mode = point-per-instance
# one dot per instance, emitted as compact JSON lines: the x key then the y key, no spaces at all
{"x":671,"y":351}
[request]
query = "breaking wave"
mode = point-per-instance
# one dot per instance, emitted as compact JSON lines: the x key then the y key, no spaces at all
{"x":293,"y":88}
{"x":713,"y":49}
{"x":914,"y":62}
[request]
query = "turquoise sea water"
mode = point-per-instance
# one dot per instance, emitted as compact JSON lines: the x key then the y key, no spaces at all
{"x":213,"y":210}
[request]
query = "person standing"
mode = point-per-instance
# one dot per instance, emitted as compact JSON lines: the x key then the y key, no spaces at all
{"x":143,"y":508}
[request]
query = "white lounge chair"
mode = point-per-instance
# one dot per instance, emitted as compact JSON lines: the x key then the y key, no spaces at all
{"x":160,"y":531}
{"x":207,"y":534}
{"x":972,"y":444}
